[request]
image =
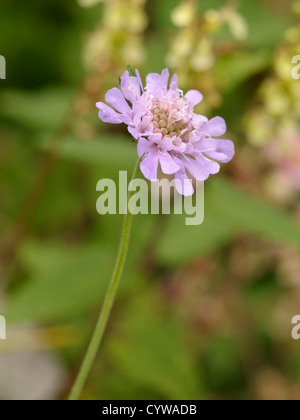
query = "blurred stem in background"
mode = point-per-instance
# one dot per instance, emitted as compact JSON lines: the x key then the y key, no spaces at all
{"x":108,"y":302}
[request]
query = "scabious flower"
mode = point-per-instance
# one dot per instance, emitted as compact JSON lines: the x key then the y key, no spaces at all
{"x":168,"y":132}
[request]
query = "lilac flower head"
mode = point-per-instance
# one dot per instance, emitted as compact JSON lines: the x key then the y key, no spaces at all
{"x":168,"y":132}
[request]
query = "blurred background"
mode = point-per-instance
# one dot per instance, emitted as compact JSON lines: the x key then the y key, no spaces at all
{"x":202,"y":312}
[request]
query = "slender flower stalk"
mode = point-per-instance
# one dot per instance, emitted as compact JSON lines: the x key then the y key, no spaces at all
{"x":107,"y":305}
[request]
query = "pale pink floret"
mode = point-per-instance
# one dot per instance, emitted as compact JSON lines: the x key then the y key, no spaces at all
{"x":286,"y":158}
{"x":167,"y":130}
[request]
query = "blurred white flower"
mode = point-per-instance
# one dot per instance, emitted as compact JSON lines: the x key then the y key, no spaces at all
{"x":204,"y":57}
{"x":89,"y":3}
{"x":237,"y":25}
{"x":183,"y":15}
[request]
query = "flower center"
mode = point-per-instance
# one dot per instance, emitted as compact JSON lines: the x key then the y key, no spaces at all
{"x":172,"y":118}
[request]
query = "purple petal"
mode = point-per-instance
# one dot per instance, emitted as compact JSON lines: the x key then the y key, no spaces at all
{"x":183,"y":184}
{"x":145,"y":126}
{"x":205,"y":144}
{"x":189,"y":149}
{"x":197,"y":169}
{"x":156,"y":82}
{"x":134,"y":132}
{"x":149,"y":165}
{"x":138,"y":111}
{"x":173,"y":93}
{"x":223,"y":152}
{"x":168,"y":166}
{"x":116,"y":99}
{"x":174,"y":82}
{"x":155,"y":138}
{"x":194,"y":97}
{"x":178,"y":145}
{"x":208,"y":165}
{"x":216,"y":127}
{"x":143,"y":146}
{"x":166,"y":144}
{"x":139,"y":79}
{"x":199,"y":120}
{"x":107,"y":114}
{"x":130,"y":87}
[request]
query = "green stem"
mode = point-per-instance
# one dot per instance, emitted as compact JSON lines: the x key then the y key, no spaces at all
{"x":107,"y":305}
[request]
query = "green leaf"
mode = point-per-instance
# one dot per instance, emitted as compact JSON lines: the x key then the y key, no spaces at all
{"x":223,"y":364}
{"x":232,"y":70}
{"x":181,"y":244}
{"x":228,"y":211}
{"x":64,"y":283}
{"x":130,"y":70}
{"x":266,"y":25}
{"x":250,"y":214}
{"x":152,"y":353}
{"x":41,"y":109}
{"x":107,"y":150}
